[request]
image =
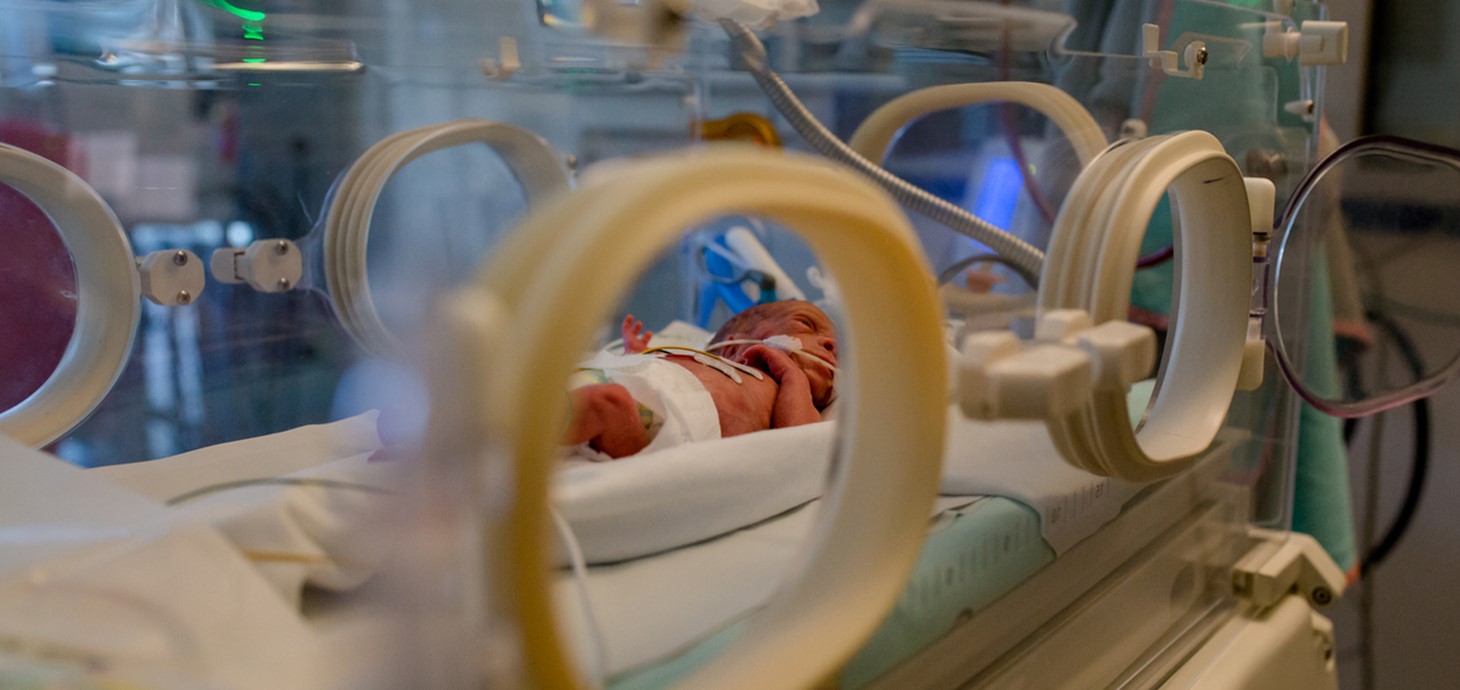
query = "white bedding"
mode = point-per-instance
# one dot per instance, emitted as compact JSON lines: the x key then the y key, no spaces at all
{"x":650,"y":503}
{"x":327,"y":536}
{"x":90,"y":571}
{"x":617,"y":511}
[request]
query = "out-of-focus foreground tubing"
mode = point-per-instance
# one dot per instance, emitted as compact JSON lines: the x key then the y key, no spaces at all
{"x":561,"y":275}
{"x":874,"y":137}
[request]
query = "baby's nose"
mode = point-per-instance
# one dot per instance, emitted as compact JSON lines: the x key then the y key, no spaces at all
{"x":827,"y":343}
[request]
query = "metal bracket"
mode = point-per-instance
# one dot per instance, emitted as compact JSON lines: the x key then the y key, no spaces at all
{"x":1167,"y":60}
{"x":1282,"y":563}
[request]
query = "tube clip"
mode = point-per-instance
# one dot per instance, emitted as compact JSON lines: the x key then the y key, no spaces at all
{"x":1167,"y":61}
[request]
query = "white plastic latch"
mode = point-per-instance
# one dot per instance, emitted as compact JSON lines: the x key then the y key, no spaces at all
{"x":1120,"y":352}
{"x":1283,"y":563}
{"x":1001,"y":377}
{"x":1261,"y":203}
{"x":507,"y":62}
{"x":266,"y":265}
{"x":998,"y":379}
{"x":1317,"y":43}
{"x":1123,"y":353}
{"x":171,"y":277}
{"x":1167,"y":60}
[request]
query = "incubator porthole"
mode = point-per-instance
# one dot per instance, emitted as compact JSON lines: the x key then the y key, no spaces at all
{"x":696,"y":349}
{"x":1156,"y":299}
{"x":38,"y":314}
{"x":1365,"y":299}
{"x":436,"y":219}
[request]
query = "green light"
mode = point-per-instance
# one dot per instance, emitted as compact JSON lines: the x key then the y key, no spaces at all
{"x":255,"y":59}
{"x":253,"y":31}
{"x":254,"y":83}
{"x":246,"y":15}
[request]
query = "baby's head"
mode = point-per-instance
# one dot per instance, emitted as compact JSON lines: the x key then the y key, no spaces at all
{"x":797,"y":319}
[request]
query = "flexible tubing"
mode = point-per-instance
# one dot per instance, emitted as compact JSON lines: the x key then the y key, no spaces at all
{"x":579,"y":566}
{"x":752,"y":52}
{"x":108,"y":291}
{"x":875,"y":135}
{"x":562,"y":273}
{"x":1420,"y":464}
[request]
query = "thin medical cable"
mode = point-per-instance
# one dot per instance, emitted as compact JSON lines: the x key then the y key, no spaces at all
{"x":1419,"y":469}
{"x":729,"y":362}
{"x":727,"y":343}
{"x":1370,"y":523}
{"x":952,"y":271}
{"x":753,"y":55}
{"x":1156,"y":258}
{"x":1010,"y":122}
{"x":277,"y":481}
{"x":580,"y":580}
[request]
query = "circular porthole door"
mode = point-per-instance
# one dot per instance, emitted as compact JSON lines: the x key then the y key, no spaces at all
{"x":1365,"y":294}
{"x":106,"y":293}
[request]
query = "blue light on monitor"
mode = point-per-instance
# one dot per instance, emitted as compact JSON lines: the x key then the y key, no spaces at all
{"x":999,"y":192}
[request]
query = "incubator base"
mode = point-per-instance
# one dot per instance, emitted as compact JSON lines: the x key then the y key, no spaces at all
{"x":1145,"y":603}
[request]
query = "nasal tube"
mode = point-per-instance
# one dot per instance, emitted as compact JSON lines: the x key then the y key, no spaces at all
{"x":784,"y":343}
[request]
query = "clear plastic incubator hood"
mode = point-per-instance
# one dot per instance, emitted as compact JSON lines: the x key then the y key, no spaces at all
{"x":1052,"y":309}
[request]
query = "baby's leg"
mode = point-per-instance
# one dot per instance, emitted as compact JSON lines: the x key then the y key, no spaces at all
{"x":607,"y":418}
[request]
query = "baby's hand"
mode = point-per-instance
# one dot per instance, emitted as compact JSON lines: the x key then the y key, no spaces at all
{"x":636,"y":339}
{"x":982,"y":280}
{"x":777,"y":363}
{"x":793,"y":404}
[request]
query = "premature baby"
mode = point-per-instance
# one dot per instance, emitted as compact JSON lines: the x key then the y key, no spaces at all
{"x":674,"y":395}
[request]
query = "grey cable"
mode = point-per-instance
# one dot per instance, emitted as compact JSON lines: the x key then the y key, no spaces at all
{"x":1370,"y":527}
{"x":752,"y":53}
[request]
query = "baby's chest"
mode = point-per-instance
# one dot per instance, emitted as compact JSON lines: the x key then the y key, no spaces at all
{"x":743,"y":407}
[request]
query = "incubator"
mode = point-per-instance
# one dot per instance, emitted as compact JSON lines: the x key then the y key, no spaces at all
{"x":301,"y":287}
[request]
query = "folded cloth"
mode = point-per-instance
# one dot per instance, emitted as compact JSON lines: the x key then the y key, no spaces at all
{"x":93,"y":571}
{"x":317,"y":520}
{"x":265,"y":456}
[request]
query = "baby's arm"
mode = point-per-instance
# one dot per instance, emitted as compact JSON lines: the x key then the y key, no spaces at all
{"x":794,"y":404}
{"x":607,"y":418}
{"x":636,"y":339}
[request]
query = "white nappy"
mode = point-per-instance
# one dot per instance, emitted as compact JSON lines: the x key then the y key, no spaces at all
{"x":683,"y":409}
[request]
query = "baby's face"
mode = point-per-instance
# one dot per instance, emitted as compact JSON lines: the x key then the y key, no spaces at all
{"x":805,"y":322}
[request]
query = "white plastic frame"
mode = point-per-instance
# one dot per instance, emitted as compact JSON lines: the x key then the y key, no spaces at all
{"x":108,"y":294}
{"x":540,"y":170}
{"x":1090,"y":265}
{"x":525,"y":322}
